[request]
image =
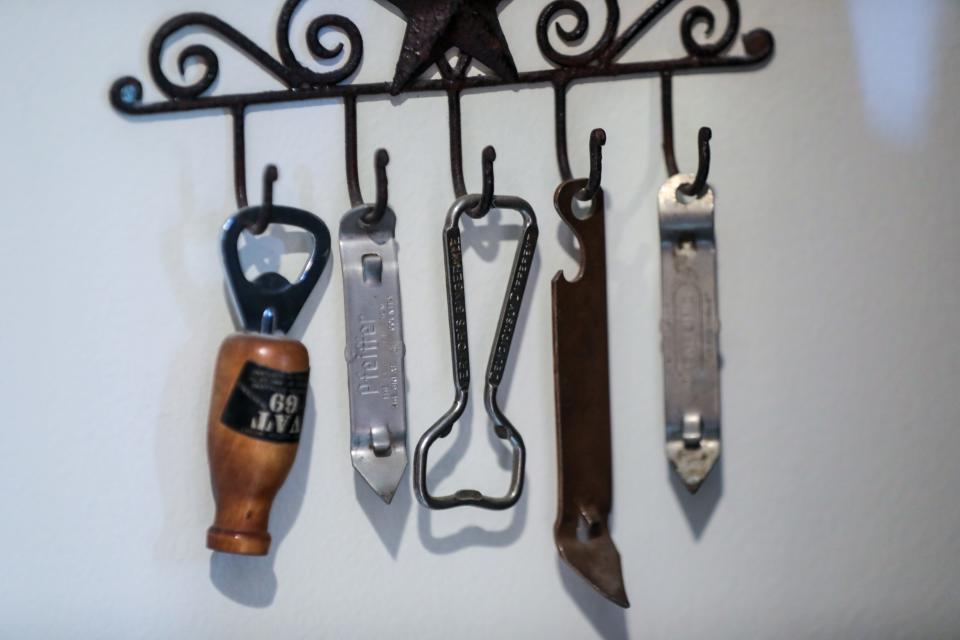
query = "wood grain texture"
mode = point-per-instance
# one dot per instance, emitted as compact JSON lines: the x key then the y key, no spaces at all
{"x":247,"y":472}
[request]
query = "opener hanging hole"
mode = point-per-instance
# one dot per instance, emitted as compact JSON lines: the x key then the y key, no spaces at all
{"x":682,"y":197}
{"x":581,"y":209}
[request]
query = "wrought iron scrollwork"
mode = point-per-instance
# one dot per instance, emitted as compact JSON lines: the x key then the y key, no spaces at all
{"x":601,"y":58}
{"x":304,"y":77}
{"x":303,"y":83}
{"x":610,"y":46}
{"x":127,"y":92}
{"x":554,"y":10}
{"x":700,"y":14}
{"x":704,"y":48}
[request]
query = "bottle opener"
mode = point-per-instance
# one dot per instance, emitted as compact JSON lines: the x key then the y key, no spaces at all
{"x":457,"y":310}
{"x":260,"y":386}
{"x":690,"y":325}
{"x":374,"y":351}
{"x":582,"y":388}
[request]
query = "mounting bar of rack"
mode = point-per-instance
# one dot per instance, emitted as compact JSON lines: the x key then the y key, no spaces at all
{"x":421,"y":51}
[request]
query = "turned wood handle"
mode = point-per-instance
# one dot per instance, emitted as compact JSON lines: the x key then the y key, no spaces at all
{"x":256,"y":416}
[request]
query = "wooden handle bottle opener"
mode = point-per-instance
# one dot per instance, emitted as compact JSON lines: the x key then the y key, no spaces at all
{"x":260,"y":386}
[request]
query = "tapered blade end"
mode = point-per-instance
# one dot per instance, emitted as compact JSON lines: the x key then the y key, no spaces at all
{"x":693,"y":483}
{"x":693,"y":465}
{"x":598,"y":562}
{"x":382,"y":474}
{"x":620,"y":599}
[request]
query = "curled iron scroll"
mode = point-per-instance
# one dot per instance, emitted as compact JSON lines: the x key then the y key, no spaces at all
{"x":610,"y":46}
{"x":569,"y":36}
{"x":288,"y":70}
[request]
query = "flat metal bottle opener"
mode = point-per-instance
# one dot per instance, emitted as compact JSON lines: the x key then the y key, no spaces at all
{"x":374,"y":350}
{"x":459,"y":347}
{"x":582,"y":388}
{"x":690,"y":325}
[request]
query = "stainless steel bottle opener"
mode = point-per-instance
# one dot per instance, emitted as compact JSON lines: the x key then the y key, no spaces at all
{"x":691,"y":327}
{"x":374,"y":350}
{"x":460,"y":352}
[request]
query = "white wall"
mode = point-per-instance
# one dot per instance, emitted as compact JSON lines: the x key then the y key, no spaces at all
{"x":834,"y":513}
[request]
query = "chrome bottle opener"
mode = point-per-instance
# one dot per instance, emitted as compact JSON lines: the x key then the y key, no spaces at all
{"x":473,"y":206}
{"x":374,"y":350}
{"x":690,"y":325}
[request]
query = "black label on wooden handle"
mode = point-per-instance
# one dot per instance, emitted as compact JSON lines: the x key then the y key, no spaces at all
{"x":267,"y":404}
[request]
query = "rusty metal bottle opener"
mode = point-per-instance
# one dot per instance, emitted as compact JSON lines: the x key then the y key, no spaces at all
{"x":582,"y":388}
{"x":457,"y":310}
{"x":691,"y":328}
{"x":374,"y":350}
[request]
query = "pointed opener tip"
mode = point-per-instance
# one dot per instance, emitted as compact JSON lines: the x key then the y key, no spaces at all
{"x":383,"y":482}
{"x":598,"y":562}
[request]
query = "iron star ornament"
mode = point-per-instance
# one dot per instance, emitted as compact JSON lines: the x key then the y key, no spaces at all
{"x":436,"y":26}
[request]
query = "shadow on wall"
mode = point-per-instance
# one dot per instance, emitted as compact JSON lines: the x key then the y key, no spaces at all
{"x":251,"y":581}
{"x":895,"y":44}
{"x":698,"y":507}
{"x":388,"y":520}
{"x":607,"y":619}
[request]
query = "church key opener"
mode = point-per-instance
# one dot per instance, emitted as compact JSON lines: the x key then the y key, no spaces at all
{"x":473,"y":205}
{"x":260,"y":385}
{"x":582,"y":387}
{"x":691,"y":327}
{"x":374,"y":351}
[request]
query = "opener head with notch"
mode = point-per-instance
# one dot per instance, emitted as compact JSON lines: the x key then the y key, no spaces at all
{"x":272,"y":303}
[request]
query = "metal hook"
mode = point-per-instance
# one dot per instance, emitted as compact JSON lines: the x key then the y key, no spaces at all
{"x":270,"y":176}
{"x":486,"y":197}
{"x":698,"y":187}
{"x":598,"y":138}
{"x":456,"y":161}
{"x":239,"y":157}
{"x":380,"y":162}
